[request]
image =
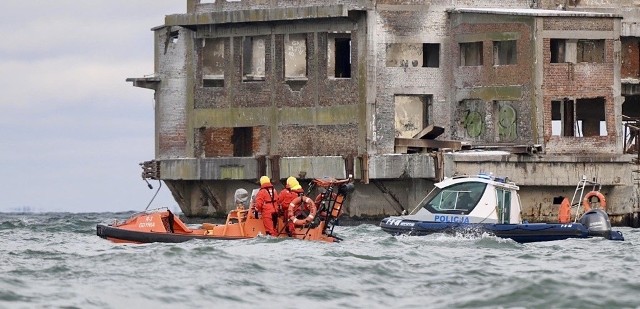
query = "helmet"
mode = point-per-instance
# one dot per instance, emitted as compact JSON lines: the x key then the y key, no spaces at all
{"x":264,"y":180}
{"x":291,"y":182}
{"x":297,"y":187}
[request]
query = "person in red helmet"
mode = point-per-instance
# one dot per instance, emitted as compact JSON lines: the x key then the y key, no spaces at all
{"x":266,"y":205}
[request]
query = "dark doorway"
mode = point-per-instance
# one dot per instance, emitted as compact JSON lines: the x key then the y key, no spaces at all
{"x":242,"y":142}
{"x":343,"y":58}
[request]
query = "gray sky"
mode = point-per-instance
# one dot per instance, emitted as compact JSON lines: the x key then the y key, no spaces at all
{"x":72,"y":131}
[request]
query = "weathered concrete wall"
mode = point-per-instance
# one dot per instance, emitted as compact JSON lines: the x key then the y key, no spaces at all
{"x":630,"y":57}
{"x":401,"y":181}
{"x":172,"y":96}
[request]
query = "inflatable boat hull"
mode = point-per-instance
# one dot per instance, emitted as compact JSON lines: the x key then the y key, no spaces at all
{"x":522,"y":233}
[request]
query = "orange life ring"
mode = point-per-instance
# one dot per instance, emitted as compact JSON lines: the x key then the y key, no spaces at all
{"x":296,"y":204}
{"x":586,"y":201}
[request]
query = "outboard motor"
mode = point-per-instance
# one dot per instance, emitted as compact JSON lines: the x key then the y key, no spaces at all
{"x":597,"y":222}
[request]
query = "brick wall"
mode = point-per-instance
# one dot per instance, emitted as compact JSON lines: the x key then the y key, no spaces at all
{"x":328,"y":140}
{"x":316,"y":91}
{"x":578,"y":23}
{"x":486,"y":83}
{"x":575,"y":81}
{"x":218,"y":142}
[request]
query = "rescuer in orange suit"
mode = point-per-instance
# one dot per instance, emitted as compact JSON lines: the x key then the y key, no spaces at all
{"x":266,"y":205}
{"x":296,"y":191}
{"x":286,"y":196}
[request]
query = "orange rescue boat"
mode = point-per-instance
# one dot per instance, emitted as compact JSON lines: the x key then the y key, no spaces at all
{"x":311,"y":223}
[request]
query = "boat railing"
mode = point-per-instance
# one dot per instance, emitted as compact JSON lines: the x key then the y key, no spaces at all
{"x":501,"y":180}
{"x":579,"y":193}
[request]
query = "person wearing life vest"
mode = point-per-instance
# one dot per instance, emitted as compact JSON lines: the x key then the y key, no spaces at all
{"x":296,"y":191}
{"x":286,"y":196}
{"x":266,"y":205}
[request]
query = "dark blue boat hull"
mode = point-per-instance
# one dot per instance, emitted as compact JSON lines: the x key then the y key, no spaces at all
{"x":522,"y":233}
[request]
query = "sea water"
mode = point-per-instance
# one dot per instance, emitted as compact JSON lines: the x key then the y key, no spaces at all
{"x":55,"y":260}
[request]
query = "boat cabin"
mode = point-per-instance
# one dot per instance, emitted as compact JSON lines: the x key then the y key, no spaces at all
{"x":471,"y":199}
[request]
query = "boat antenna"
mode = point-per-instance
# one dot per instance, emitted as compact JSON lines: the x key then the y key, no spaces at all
{"x":154,"y":195}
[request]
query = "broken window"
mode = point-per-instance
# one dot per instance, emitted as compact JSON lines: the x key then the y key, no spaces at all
{"x":575,"y":51}
{"x":558,"y":50}
{"x":590,"y":51}
{"x":471,"y":54}
{"x":411,"y":114}
{"x":174,"y":36}
{"x":242,"y":142}
{"x":253,"y":59}
{"x":295,"y":56}
{"x":413,"y":55}
{"x":578,"y":118}
{"x":339,"y":55}
{"x":404,"y":55}
{"x":505,"y":52}
{"x":430,"y":55}
{"x":213,"y":62}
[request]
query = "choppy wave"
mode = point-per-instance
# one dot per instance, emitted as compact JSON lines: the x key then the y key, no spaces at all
{"x":56,"y":260}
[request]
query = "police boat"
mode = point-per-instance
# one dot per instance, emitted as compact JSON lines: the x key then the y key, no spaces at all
{"x":478,"y":204}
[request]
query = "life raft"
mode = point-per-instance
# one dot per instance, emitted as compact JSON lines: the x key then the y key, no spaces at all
{"x":586,"y":201}
{"x":297,"y":206}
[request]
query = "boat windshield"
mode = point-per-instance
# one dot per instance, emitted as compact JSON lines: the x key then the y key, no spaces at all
{"x":460,"y":198}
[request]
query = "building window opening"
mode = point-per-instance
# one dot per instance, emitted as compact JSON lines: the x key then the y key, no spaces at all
{"x":253,"y":59}
{"x":505,"y":52}
{"x":471,"y":54}
{"x":430,"y":55}
{"x":213,"y":62}
{"x":558,"y":50}
{"x":339,"y":55}
{"x":562,"y":118}
{"x":591,"y":117}
{"x":174,"y":36}
{"x":579,"y":118}
{"x":242,"y":142}
{"x":411,"y":114}
{"x":411,"y":55}
{"x":590,"y":51}
{"x":295,"y":56}
{"x":575,"y":51}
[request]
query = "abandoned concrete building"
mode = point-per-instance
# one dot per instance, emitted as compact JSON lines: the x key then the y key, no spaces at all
{"x":399,"y":94}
